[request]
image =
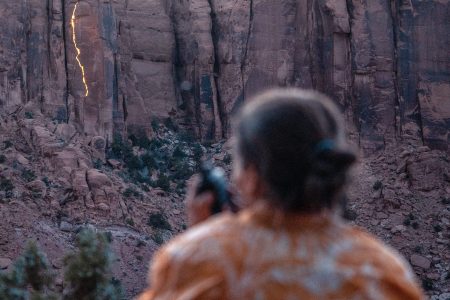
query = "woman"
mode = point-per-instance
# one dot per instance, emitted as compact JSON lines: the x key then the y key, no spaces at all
{"x":290,"y":167}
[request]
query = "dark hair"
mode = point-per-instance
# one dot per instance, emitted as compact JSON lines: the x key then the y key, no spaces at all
{"x":296,"y":141}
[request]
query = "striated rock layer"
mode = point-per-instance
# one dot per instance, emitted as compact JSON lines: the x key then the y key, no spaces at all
{"x":385,"y":62}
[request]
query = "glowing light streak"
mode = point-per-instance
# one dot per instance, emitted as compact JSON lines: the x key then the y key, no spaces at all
{"x":74,"y":38}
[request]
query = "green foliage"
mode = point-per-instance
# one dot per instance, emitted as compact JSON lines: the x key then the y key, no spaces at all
{"x":227,"y":159}
{"x":140,"y":140}
{"x":163,"y":182}
{"x":7,"y":144}
{"x":187,"y":137}
{"x":61,"y":116}
{"x":149,"y":161}
{"x":155,"y":125}
{"x":31,"y":277}
{"x":171,"y":160}
{"x":97,"y":164}
{"x":377,"y":185}
{"x":350,"y":214}
{"x":46,"y":181}
{"x":29,"y":115}
{"x":130,"y":192}
{"x":418,"y":249}
{"x":155,"y":144}
{"x":6,"y":184}
{"x":120,"y":148}
{"x":157,"y":238}
{"x":182,"y":171}
{"x":437,"y":228}
{"x":178,"y":152}
{"x":159,"y":221}
{"x":198,"y":152}
{"x":2,"y":159}
{"x":170,"y":124}
{"x":129,"y":221}
{"x":28,"y":175}
{"x":427,"y":284}
{"x":88,"y":271}
{"x":133,"y":162}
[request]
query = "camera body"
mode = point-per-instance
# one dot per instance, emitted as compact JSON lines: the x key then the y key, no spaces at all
{"x":213,"y":179}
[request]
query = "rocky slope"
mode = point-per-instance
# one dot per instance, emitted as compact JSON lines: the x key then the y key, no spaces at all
{"x":190,"y":65}
{"x":385,"y":62}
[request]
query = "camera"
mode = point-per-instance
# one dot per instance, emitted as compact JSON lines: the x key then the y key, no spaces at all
{"x":213,"y":179}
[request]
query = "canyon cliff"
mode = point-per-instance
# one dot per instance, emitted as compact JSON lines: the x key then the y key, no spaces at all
{"x":104,"y":103}
{"x":385,"y":62}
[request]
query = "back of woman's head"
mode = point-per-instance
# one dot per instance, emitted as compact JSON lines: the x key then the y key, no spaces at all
{"x":296,"y":142}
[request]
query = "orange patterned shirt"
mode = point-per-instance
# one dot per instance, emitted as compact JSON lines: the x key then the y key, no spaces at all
{"x":259,"y":255}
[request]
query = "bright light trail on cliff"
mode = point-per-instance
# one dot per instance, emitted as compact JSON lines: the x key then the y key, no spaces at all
{"x":72,"y":22}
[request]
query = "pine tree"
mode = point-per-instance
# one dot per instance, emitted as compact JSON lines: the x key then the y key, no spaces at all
{"x":88,"y":271}
{"x":30,"y":278}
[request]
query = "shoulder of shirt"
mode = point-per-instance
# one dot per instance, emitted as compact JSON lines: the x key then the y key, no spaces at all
{"x":374,"y":247}
{"x":208,"y":235}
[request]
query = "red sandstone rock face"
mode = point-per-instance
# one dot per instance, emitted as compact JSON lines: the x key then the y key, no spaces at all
{"x":385,"y":63}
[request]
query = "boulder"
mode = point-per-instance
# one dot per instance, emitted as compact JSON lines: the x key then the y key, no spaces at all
{"x":97,"y":180}
{"x":420,"y":261}
{"x":66,"y":226}
{"x":38,"y":187}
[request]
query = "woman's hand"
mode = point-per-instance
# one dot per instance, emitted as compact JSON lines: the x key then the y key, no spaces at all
{"x":199,"y":207}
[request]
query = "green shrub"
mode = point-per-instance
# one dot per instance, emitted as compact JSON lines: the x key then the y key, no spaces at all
{"x":182,"y":171}
{"x":163,"y":182}
{"x":97,"y":163}
{"x":133,"y":162}
{"x":149,"y":161}
{"x":157,"y":238}
{"x":129,"y":221}
{"x":155,"y":144}
{"x":6,"y":184}
{"x":140,"y":140}
{"x":170,"y":124}
{"x":198,"y":152}
{"x":155,"y":125}
{"x":187,"y":137}
{"x":7,"y":144}
{"x":46,"y":181}
{"x":350,"y":214}
{"x":28,"y":175}
{"x":227,"y":159}
{"x":88,"y":271}
{"x":418,"y":249}
{"x":30,"y":278}
{"x":61,"y":116}
{"x":437,"y":228}
{"x":178,"y":152}
{"x":29,"y":115}
{"x":130,"y":192}
{"x":427,"y":284}
{"x":159,"y":221}
{"x":377,"y":185}
{"x":120,"y":148}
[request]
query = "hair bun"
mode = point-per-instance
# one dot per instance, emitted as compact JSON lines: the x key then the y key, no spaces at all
{"x":333,"y":162}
